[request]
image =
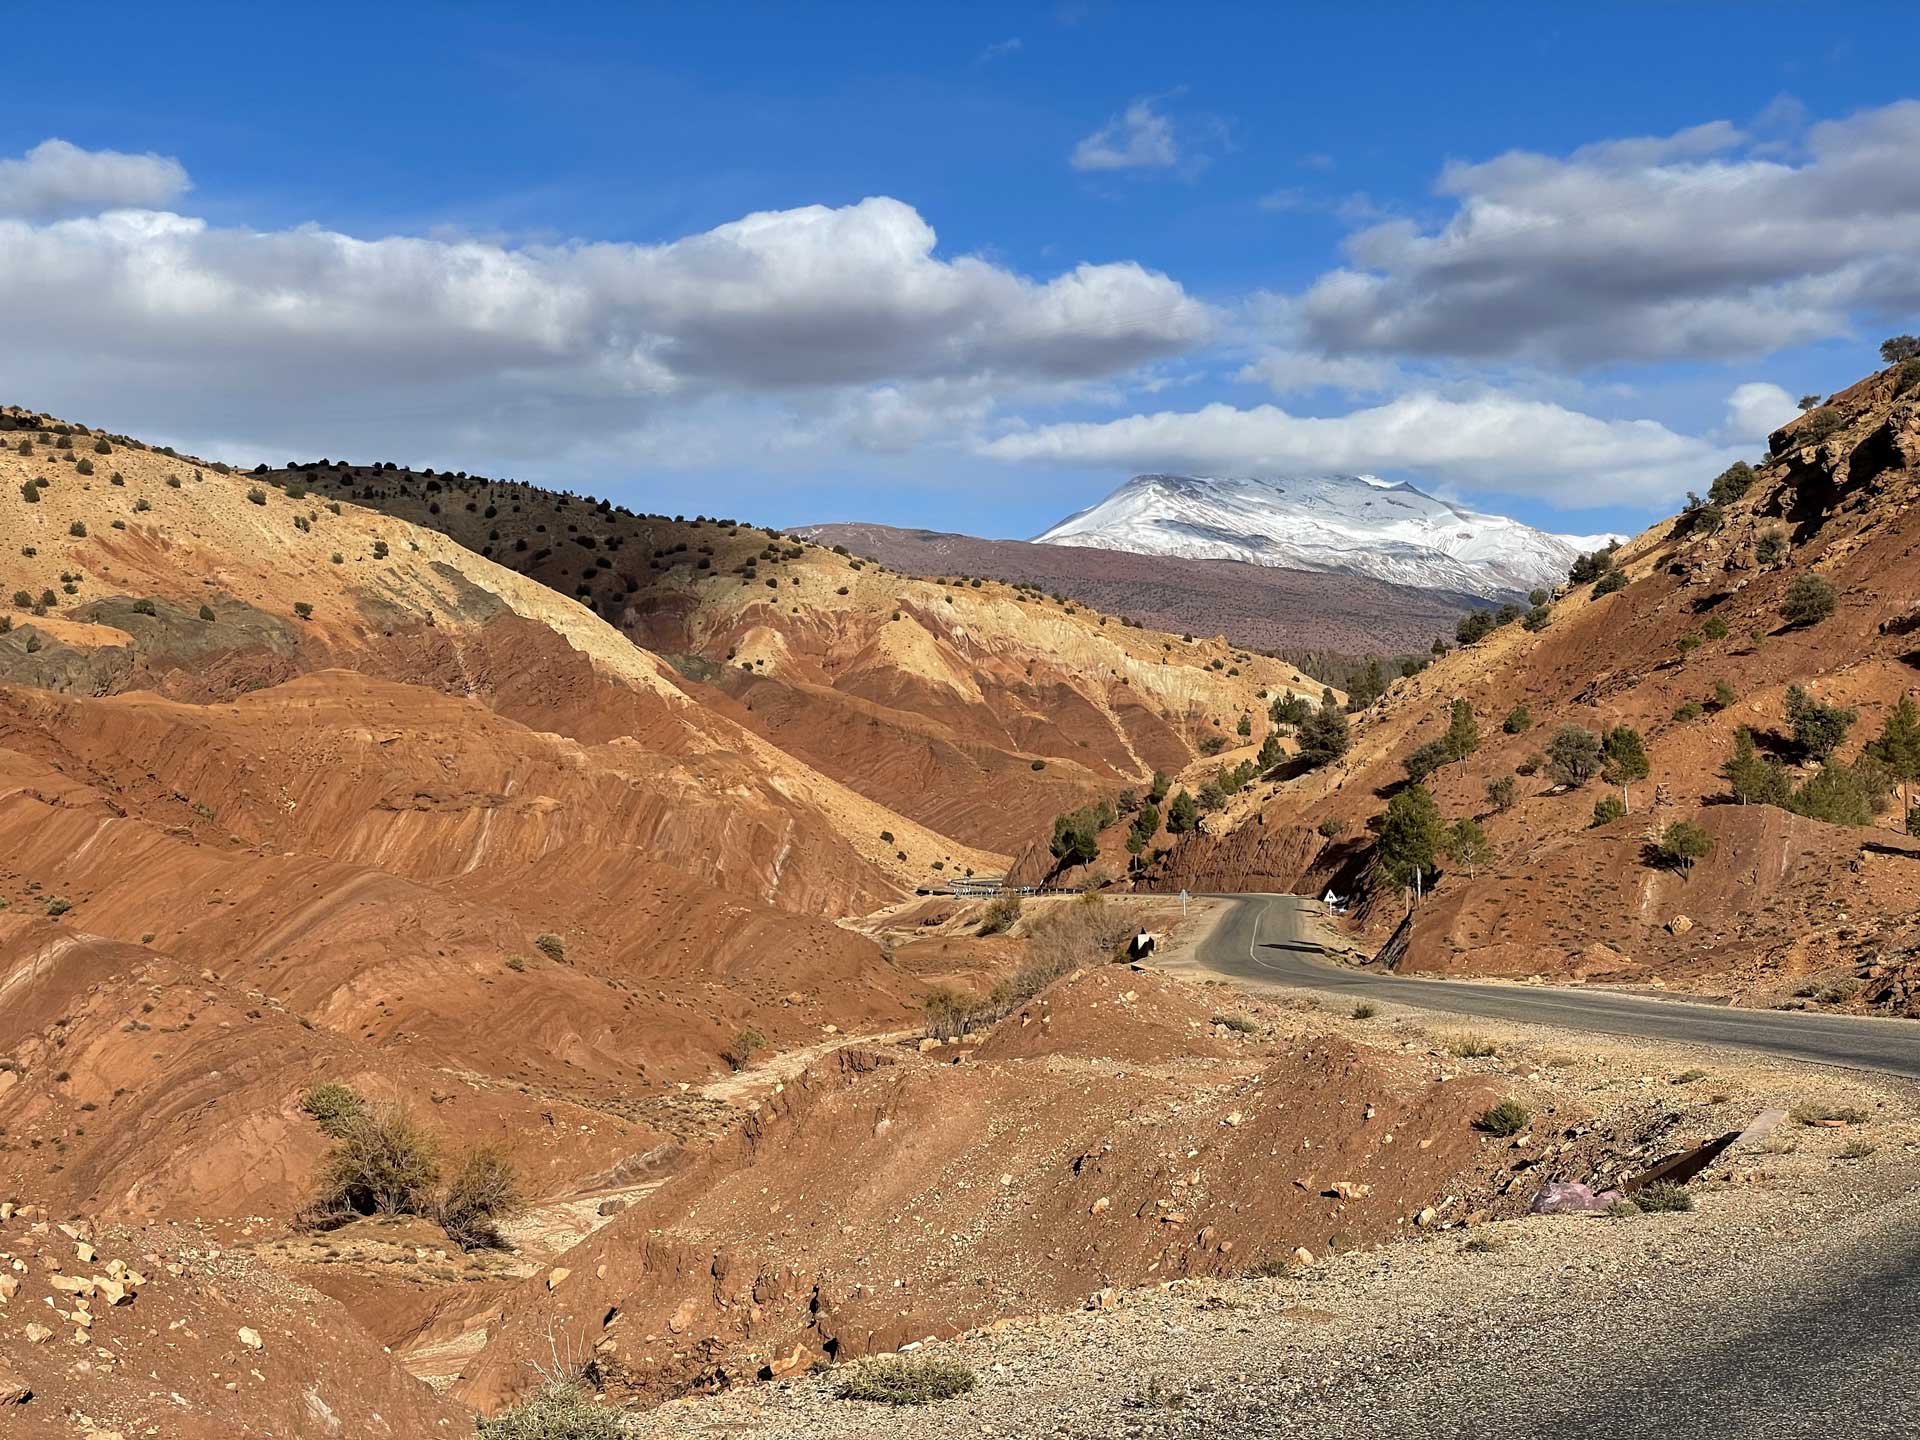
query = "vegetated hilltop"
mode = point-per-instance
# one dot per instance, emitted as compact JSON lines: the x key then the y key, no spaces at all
{"x":969,"y":705}
{"x":1261,"y":607}
{"x":1685,"y":767}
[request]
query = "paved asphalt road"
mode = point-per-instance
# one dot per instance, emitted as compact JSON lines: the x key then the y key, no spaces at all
{"x":1268,"y":939}
{"x":1828,"y":1351}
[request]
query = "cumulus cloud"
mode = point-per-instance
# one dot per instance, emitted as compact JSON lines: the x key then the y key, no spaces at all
{"x":1495,"y":442}
{"x":1755,"y":411}
{"x":449,"y":331}
{"x":1288,"y":372}
{"x":57,"y":178}
{"x":1139,"y":138}
{"x":1708,"y":243}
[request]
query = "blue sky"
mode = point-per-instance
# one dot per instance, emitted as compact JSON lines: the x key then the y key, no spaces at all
{"x":967,"y":267}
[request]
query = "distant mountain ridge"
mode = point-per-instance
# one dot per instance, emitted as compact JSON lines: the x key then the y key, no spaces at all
{"x":1344,"y":524}
{"x":1261,"y":607}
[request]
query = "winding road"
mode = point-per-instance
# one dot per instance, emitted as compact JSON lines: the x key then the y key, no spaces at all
{"x":1268,"y":939}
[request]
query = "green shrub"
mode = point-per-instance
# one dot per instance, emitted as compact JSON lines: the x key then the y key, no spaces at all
{"x":142,"y":505}
{"x":1689,"y":711}
{"x":1239,"y":1024}
{"x":560,"y":1411}
{"x":333,"y":1107}
{"x":78,"y":529}
{"x":144,"y":607}
{"x":1607,"y":809}
{"x":743,"y":1047}
{"x":83,"y":467}
{"x":1731,"y":483}
{"x":1501,"y":792}
{"x":206,"y":612}
{"x":1000,"y":915}
{"x":906,"y":1380}
{"x":382,"y":1163}
{"x":1662,"y":1196}
{"x":483,"y":1192}
{"x":57,"y":906}
{"x":1809,"y":600}
{"x":1612,"y":581}
{"x":1469,"y":1046}
{"x":1365,"y":1010}
{"x":1819,"y":425}
{"x":1509,"y":1117}
{"x":303,"y":609}
{"x":1518,"y":721}
{"x":257,"y":495}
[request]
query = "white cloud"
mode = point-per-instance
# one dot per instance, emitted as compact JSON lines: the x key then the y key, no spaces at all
{"x":1754,"y":411}
{"x":1138,"y":138}
{"x":1702,"y":244}
{"x":1000,"y":49}
{"x":57,"y":178}
{"x":308,"y":330}
{"x":1492,"y":443}
{"x":1288,"y":372}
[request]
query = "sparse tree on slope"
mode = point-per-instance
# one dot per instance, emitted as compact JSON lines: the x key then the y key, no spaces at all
{"x":1818,"y":729}
{"x":1898,"y":746}
{"x":1684,"y":842}
{"x":1467,"y":845}
{"x":1410,"y":837}
{"x":1625,"y":760}
{"x":1323,"y":734}
{"x":1573,"y":756}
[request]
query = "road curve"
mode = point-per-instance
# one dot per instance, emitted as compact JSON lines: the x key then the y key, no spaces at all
{"x":1267,"y":939}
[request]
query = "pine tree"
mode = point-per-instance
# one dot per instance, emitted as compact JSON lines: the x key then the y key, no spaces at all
{"x":1755,"y":780}
{"x":1410,"y":837}
{"x":1463,"y":732}
{"x":1323,"y":734}
{"x":1625,"y":759}
{"x":1183,"y":815}
{"x":1898,"y":746}
{"x":1818,"y":729}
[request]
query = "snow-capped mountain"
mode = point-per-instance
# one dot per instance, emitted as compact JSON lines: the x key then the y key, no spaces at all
{"x":1354,"y":524}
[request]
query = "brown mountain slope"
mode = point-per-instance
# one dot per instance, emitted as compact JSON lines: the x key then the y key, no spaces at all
{"x":294,"y":791}
{"x":1784,"y":903}
{"x":973,"y":708}
{"x":1256,"y":606}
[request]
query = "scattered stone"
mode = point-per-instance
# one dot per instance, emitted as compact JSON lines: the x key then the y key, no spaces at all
{"x":250,"y":1338}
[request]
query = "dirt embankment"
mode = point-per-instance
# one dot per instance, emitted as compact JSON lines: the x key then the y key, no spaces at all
{"x":1111,"y":1132}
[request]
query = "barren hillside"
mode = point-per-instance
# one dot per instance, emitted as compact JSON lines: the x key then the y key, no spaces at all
{"x":975,"y":707}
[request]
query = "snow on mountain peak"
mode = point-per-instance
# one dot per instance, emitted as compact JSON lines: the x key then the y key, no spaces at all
{"x":1352,"y":524}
